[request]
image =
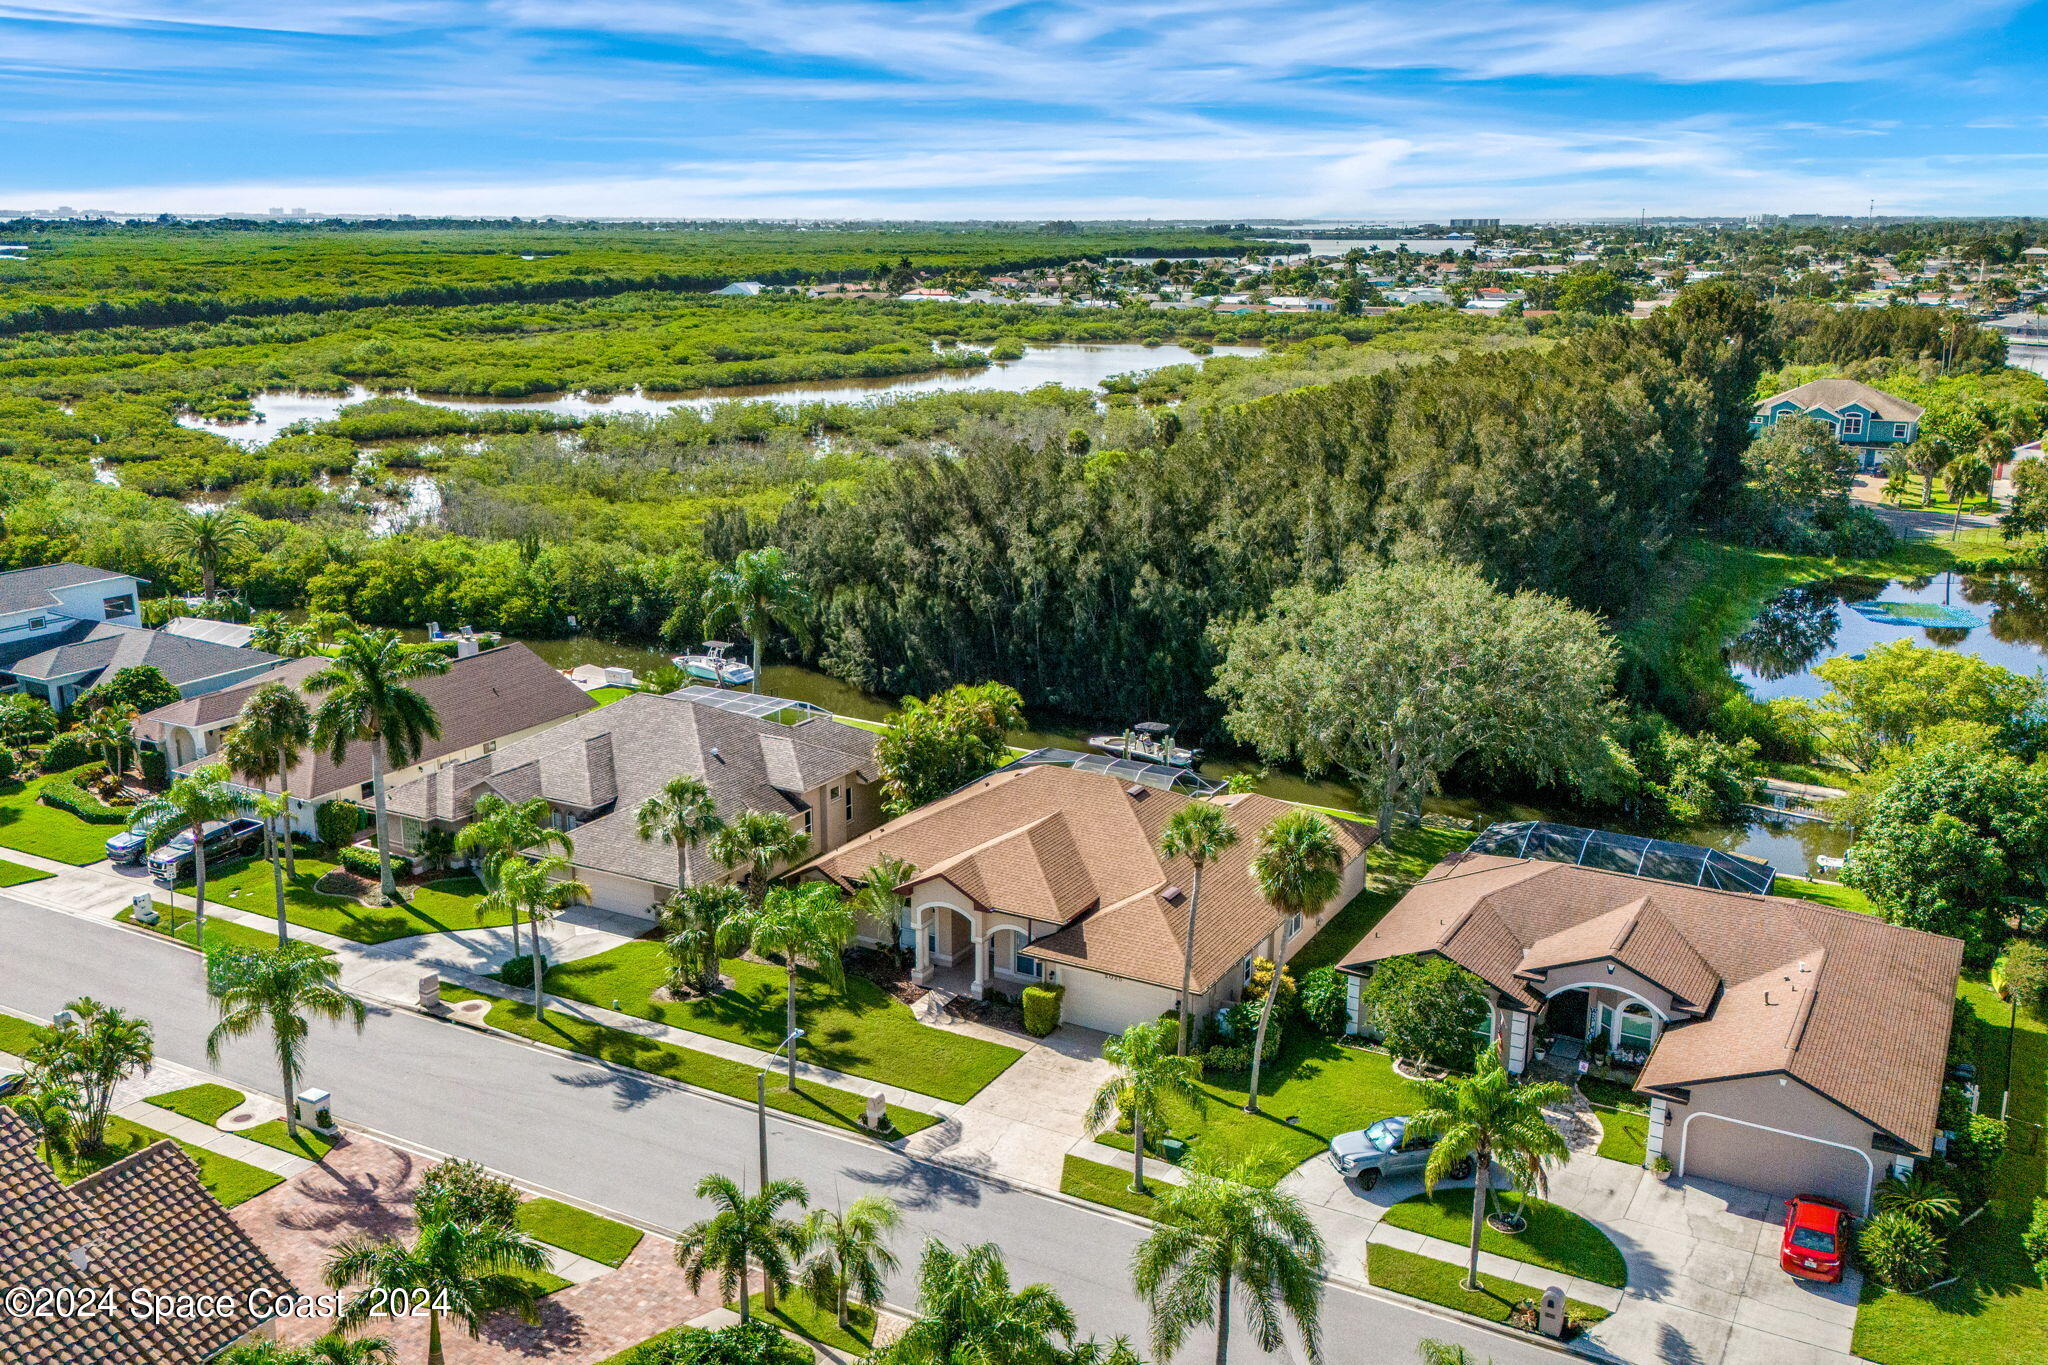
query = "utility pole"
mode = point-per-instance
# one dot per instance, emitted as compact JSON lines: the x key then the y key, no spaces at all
{"x":761,"y":1098}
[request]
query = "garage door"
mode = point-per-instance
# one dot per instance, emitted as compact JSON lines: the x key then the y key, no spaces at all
{"x":1718,"y":1148}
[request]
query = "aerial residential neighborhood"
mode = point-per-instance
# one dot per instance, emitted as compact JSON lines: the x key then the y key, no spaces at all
{"x":912,"y":684}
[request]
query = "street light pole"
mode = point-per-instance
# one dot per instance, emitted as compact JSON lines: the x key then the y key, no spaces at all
{"x":761,"y":1100}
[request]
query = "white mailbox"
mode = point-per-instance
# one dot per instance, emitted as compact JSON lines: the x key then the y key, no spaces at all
{"x":430,"y":991}
{"x":1550,"y":1313}
{"x":316,"y":1110}
{"x":876,"y":1117}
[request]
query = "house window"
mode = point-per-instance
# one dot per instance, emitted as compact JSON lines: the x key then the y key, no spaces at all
{"x":1852,"y":424}
{"x":849,"y":804}
{"x":1245,"y":969}
{"x":807,"y":823}
{"x":124,"y":605}
{"x":1903,"y":430}
{"x":37,"y":622}
{"x":369,"y":789}
{"x":1024,"y":966}
{"x":1293,"y":926}
{"x":1638,"y":1030}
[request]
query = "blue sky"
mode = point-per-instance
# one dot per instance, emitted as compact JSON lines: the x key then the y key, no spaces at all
{"x":976,"y":108}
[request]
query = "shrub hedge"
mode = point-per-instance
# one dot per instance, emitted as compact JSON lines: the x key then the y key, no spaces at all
{"x":1042,"y":1009}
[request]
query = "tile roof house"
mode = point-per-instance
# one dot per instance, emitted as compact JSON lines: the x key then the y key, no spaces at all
{"x":144,"y":1223}
{"x":596,"y":769}
{"x":1049,"y":873}
{"x":1791,"y":1046}
{"x":486,"y":698}
{"x":1869,"y":421}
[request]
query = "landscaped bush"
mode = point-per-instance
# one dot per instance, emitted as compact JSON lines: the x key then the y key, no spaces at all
{"x":1323,"y":1001}
{"x":2023,"y":974}
{"x":68,"y":750}
{"x":64,"y":793}
{"x":338,"y":822}
{"x":743,"y":1343}
{"x":464,"y":1192}
{"x":10,"y":765}
{"x":2035,"y":1238}
{"x":1974,"y":1154}
{"x":1042,"y":1009}
{"x":517,"y":971}
{"x":1902,"y":1252}
{"x":155,"y":765}
{"x":363,"y":862}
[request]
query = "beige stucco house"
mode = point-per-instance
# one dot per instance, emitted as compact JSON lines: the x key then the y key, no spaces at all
{"x":1784,"y":1045}
{"x":1047,"y":873}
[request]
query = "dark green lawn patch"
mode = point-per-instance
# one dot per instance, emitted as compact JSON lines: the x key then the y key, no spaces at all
{"x":862,"y":1031}
{"x":1440,"y":1282}
{"x":438,"y":907}
{"x":1827,"y":893}
{"x":230,"y":1181}
{"x":221,"y":931}
{"x":797,"y":1314}
{"x":1392,"y":866}
{"x":14,"y":874}
{"x":32,"y":827}
{"x":205,"y":1103}
{"x":1109,"y":1185}
{"x":1556,"y":1238}
{"x":821,"y":1102}
{"x":307,"y":1144}
{"x":578,"y":1231}
{"x":652,"y":1349}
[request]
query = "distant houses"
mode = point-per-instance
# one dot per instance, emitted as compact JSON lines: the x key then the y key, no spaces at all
{"x":1869,"y":421}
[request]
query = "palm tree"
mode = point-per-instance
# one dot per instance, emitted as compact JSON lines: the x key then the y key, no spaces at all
{"x":850,"y":1257}
{"x":92,"y":1056}
{"x":109,"y":730}
{"x":1921,"y":1196}
{"x":328,"y":1350}
{"x":540,"y":888}
{"x":207,"y":535}
{"x":1430,"y":1351}
{"x":1299,"y":867}
{"x":967,"y":1313}
{"x":1219,"y":1234}
{"x":50,"y":1106}
{"x":469,"y":1270}
{"x":498,"y":830}
{"x":200,"y":798}
{"x":366,"y":700}
{"x":1484,"y":1118}
{"x":271,"y":734}
{"x":746,"y":1230}
{"x":1968,"y":476}
{"x":809,"y":920}
{"x":1147,"y":1075}
{"x":1198,"y":832}
{"x":759,"y":842}
{"x":758,"y":593}
{"x":276,"y":635}
{"x":877,"y":896}
{"x":681,"y":813}
{"x":690,"y":921}
{"x":284,"y":989}
{"x":1927,"y":457}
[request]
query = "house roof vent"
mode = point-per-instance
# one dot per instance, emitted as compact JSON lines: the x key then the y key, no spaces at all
{"x":1172,"y":895}
{"x":1137,"y":791}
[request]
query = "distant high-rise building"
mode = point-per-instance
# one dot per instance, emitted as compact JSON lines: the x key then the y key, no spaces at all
{"x":1471,"y":224}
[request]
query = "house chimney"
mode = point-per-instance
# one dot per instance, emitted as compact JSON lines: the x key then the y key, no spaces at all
{"x":465,"y":647}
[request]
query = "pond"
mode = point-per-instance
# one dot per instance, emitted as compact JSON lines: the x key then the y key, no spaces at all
{"x":2001,"y":618}
{"x":1073,"y":365}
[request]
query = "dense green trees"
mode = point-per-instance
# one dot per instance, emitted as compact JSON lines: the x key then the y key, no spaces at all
{"x":933,"y":746}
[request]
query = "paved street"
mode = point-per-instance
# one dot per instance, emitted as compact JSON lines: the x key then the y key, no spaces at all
{"x":618,"y":1142}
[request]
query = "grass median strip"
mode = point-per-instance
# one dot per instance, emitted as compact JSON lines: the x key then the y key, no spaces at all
{"x":230,"y":1181}
{"x":206,"y":1103}
{"x":14,"y":874}
{"x":221,"y":931}
{"x":826,"y":1104}
{"x":1556,"y":1238}
{"x":307,"y":1144}
{"x":1106,"y":1185}
{"x":577,"y":1231}
{"x":1441,"y":1282}
{"x":797,"y":1314}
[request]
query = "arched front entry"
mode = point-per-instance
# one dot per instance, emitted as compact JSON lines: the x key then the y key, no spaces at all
{"x":1628,"y":1024}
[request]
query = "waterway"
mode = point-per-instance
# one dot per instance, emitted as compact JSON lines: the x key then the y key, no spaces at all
{"x":1075,"y":366}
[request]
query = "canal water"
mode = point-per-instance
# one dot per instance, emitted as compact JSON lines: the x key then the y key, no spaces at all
{"x":1075,"y":366}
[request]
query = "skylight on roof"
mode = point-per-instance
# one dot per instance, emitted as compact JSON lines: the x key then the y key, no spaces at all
{"x":1685,"y":864}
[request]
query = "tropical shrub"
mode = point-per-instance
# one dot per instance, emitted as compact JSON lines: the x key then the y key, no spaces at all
{"x":1427,"y":1009}
{"x":1042,"y":1009}
{"x":363,"y":862}
{"x":2035,"y":1238}
{"x":67,"y":751}
{"x":1324,"y":1001}
{"x":156,"y":767}
{"x":2024,"y":969}
{"x":460,"y":1191}
{"x":1974,"y":1154}
{"x":517,"y":971}
{"x":743,"y":1343}
{"x":338,"y":822}
{"x":63,"y":792}
{"x":1902,"y":1252}
{"x":10,"y":764}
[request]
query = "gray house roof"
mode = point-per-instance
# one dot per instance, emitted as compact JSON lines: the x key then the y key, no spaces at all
{"x":603,"y":764}
{"x":100,"y":647}
{"x":1833,"y":395}
{"x":220,"y":632}
{"x":28,"y":589}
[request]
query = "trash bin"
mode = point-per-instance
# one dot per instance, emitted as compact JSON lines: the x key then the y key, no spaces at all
{"x":1173,"y":1149}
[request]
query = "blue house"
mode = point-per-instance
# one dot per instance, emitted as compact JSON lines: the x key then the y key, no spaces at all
{"x":1869,"y":421}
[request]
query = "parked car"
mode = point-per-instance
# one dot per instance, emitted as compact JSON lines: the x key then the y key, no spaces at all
{"x":1816,"y":1240}
{"x":11,"y":1083}
{"x":131,"y":846}
{"x":1386,"y":1149}
{"x":223,"y":838}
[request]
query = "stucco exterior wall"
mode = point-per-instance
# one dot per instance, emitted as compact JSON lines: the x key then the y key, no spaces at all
{"x":1701,"y":1146}
{"x":1597,"y":974}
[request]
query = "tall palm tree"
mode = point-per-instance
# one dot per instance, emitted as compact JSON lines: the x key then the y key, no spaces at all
{"x":690,"y":921}
{"x":1968,"y":476}
{"x":366,"y":700}
{"x":877,"y":896}
{"x":1298,"y":868}
{"x":109,"y":729}
{"x":1220,"y":1234}
{"x":1147,"y":1076}
{"x":271,"y":735}
{"x":207,"y":535}
{"x":756,"y":844}
{"x":467,"y":1270}
{"x":328,"y":1350}
{"x":1430,"y":1351}
{"x":276,"y":635}
{"x":192,"y":802}
{"x":104,"y":1046}
{"x":809,"y":920}
{"x":50,"y":1106}
{"x":499,"y":829}
{"x":283,"y":989}
{"x":540,"y":888}
{"x":1198,"y":831}
{"x":746,"y":1230}
{"x":967,"y":1313}
{"x":758,"y":593}
{"x":1486,"y":1117}
{"x":850,"y":1260}
{"x":682,"y":813}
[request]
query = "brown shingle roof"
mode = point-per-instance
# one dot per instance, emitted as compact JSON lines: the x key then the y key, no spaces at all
{"x":1855,"y":1008}
{"x":143,"y":1223}
{"x":1080,"y":850}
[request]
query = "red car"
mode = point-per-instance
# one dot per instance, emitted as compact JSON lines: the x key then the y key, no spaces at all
{"x":1816,"y":1242}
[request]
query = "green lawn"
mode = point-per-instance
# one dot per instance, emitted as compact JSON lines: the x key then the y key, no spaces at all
{"x":1624,"y":1119}
{"x":16,"y":1034}
{"x":1998,"y":1308}
{"x":1391,"y":868}
{"x":605,"y":696}
{"x":206,"y":1103}
{"x":1440,"y":1282}
{"x":217,"y":930}
{"x":578,"y":1232}
{"x":824,"y":1103}
{"x":245,"y":884}
{"x":1326,"y":1087}
{"x":14,"y":874}
{"x":32,"y":827}
{"x":307,"y":1144}
{"x":1556,"y":1239}
{"x":1827,"y":893}
{"x":647,"y":1350}
{"x":863,"y":1031}
{"x":230,"y":1181}
{"x":1110,"y":1185}
{"x":796,"y":1314}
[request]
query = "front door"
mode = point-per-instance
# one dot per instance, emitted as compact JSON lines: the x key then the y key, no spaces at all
{"x":1567,"y":1015}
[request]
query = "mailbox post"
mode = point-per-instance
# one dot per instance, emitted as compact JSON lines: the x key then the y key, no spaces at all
{"x":1550,"y":1314}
